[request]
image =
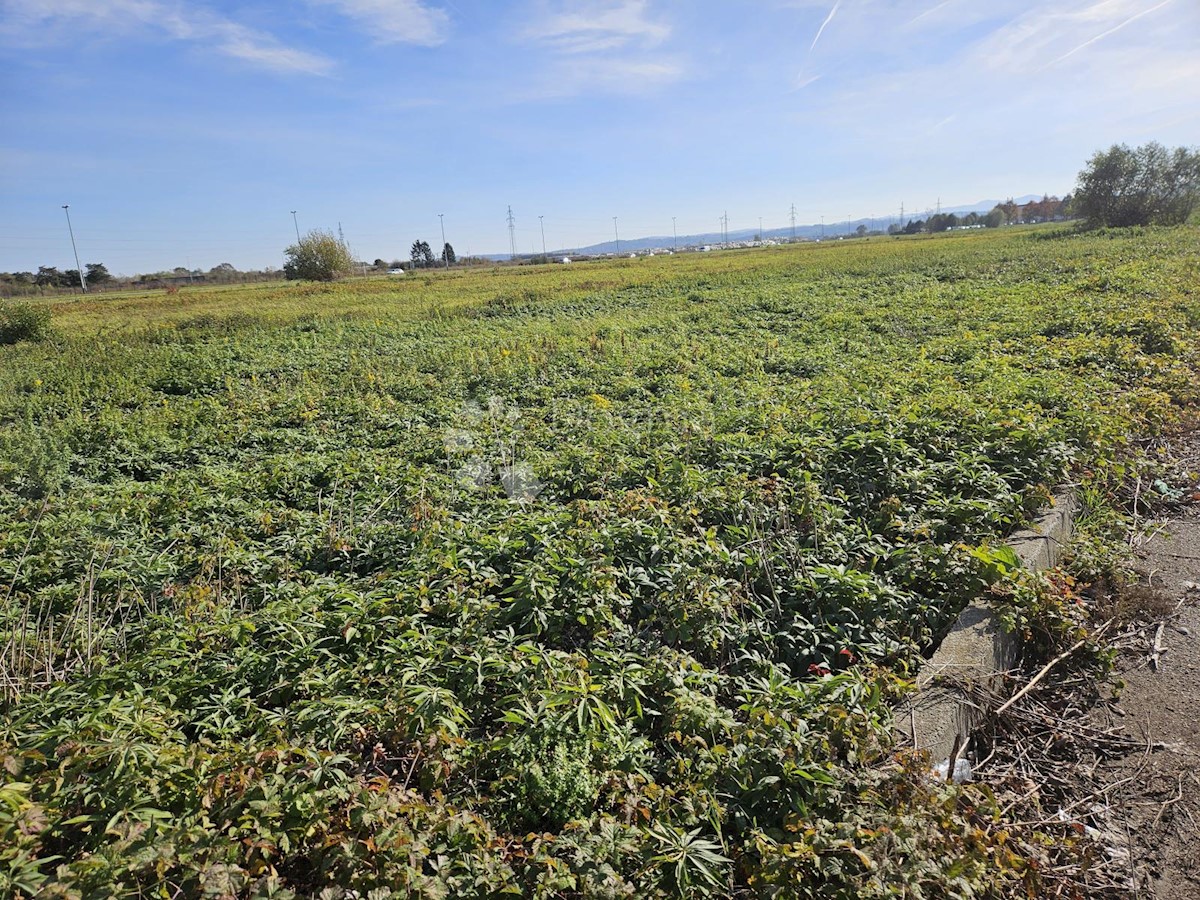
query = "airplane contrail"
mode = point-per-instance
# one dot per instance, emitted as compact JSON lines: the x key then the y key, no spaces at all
{"x":1105,"y":34}
{"x":928,"y":12}
{"x":828,"y":19}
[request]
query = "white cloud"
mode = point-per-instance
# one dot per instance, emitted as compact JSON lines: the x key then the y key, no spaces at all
{"x":1057,"y":31}
{"x":1109,"y":31}
{"x":593,"y":27}
{"x":40,"y":21}
{"x":396,"y":21}
{"x":611,"y":46}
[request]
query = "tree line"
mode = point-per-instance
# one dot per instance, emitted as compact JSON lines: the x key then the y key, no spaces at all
{"x":51,"y":277}
{"x":1048,"y":209}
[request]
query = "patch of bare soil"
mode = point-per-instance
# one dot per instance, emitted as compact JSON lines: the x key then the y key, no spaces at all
{"x":1110,"y":767}
{"x":1153,"y":793}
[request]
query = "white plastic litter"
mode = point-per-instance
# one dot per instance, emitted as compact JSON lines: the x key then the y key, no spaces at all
{"x":962,"y":770}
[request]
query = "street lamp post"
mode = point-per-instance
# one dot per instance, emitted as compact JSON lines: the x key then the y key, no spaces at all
{"x":445,"y":255}
{"x":296,"y":222}
{"x":71,"y":231}
{"x":542,"y":223}
{"x":674,"y":233}
{"x":616,"y":236}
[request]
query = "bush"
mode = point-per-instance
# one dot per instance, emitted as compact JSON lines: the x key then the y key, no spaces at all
{"x":23,"y":322}
{"x":318,"y":256}
{"x":1148,"y":185}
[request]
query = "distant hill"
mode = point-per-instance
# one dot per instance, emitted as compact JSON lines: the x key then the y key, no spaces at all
{"x":803,"y":232}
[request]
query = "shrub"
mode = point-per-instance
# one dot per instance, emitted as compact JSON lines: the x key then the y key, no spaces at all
{"x":23,"y":322}
{"x":318,"y":256}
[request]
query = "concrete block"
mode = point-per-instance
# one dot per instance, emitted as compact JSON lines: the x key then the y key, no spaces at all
{"x":976,"y":649}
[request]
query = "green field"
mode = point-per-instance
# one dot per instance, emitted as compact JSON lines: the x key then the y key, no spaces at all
{"x":589,"y":581}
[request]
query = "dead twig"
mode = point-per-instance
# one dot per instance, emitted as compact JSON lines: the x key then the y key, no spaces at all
{"x":1156,"y":653}
{"x":1045,"y":670}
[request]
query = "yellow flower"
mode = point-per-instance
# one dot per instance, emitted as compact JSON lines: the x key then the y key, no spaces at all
{"x":600,"y":402}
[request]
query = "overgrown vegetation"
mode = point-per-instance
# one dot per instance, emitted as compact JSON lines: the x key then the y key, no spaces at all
{"x":318,"y":256}
{"x":588,"y":581}
{"x":23,"y":322}
{"x":1146,"y":185}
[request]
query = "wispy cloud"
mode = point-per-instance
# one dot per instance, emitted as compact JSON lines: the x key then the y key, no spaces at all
{"x":824,"y":25}
{"x":595,"y":27}
{"x":928,"y":12}
{"x":1110,"y":31}
{"x":396,"y":21}
{"x":606,"y":45}
{"x":36,"y":21}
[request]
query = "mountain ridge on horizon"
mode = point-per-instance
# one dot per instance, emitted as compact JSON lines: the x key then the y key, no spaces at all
{"x":806,"y":232}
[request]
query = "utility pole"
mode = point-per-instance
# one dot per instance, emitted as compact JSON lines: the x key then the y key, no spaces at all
{"x":296,"y":222}
{"x":71,"y":231}
{"x":901,"y":214}
{"x":760,"y":231}
{"x":674,"y":233}
{"x":445,"y":255}
{"x":616,"y":236}
{"x":512,"y":235}
{"x":726,"y":221}
{"x":822,"y":228}
{"x":542,"y":222}
{"x":793,"y":221}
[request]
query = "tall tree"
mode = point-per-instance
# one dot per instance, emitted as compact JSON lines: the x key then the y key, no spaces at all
{"x":422,"y":254}
{"x":1147,"y":185}
{"x":448,"y":257}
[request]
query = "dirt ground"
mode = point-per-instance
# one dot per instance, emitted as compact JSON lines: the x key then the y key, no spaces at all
{"x":1154,"y":794}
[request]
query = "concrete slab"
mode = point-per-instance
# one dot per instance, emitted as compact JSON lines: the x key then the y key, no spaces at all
{"x":976,"y":648}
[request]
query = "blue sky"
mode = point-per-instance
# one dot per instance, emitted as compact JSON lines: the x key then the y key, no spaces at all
{"x":182,"y":132}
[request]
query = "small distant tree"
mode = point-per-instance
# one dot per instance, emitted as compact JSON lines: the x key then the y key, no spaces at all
{"x":224,"y":272}
{"x":318,"y":256}
{"x":422,"y":255}
{"x":448,"y":257}
{"x":861,"y":230}
{"x":1146,"y":185}
{"x":995,"y":218}
{"x":97,"y":273}
{"x":48,"y":276}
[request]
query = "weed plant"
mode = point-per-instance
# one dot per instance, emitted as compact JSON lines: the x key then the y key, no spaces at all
{"x":587,"y":581}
